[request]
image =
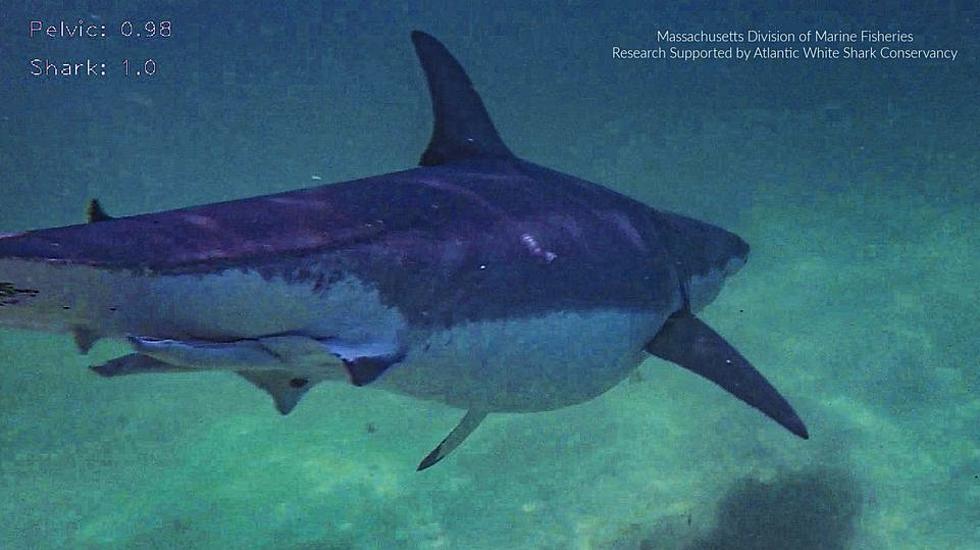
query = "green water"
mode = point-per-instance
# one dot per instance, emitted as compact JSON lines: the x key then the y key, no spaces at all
{"x":856,"y":185}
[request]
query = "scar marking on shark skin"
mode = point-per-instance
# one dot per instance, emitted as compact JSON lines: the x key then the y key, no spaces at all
{"x":9,"y":293}
{"x":535,"y":249}
{"x":624,"y":224}
{"x":204,"y":222}
{"x":462,"y":191}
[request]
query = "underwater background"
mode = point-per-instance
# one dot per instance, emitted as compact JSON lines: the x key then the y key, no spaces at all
{"x":857,"y":183}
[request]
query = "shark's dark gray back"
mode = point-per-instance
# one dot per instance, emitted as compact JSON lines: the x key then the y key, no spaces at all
{"x":473,"y":233}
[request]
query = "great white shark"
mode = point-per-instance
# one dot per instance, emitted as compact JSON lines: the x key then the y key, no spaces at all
{"x":477,"y":279}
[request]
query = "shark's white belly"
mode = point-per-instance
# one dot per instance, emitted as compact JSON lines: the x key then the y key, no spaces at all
{"x":524,"y":364}
{"x":551,"y":360}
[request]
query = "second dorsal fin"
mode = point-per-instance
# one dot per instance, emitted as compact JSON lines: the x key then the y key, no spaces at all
{"x":462,"y":128}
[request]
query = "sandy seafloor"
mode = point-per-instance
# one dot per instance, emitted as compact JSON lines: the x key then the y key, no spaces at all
{"x":856,"y":185}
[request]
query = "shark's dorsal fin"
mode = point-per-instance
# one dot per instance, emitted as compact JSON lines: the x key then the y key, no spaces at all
{"x":95,"y":213}
{"x":462,"y":128}
{"x":455,"y":437}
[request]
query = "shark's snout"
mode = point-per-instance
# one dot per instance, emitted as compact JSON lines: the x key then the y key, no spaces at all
{"x":740,"y":255}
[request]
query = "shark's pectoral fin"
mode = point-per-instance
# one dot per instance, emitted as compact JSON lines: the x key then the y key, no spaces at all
{"x":455,"y":437}
{"x":135,"y":363}
{"x":690,"y":343}
{"x":286,"y":388}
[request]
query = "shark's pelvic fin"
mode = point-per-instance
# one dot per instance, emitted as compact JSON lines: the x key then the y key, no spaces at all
{"x":84,"y":339}
{"x":365,"y":362}
{"x":455,"y":437}
{"x":135,"y":363}
{"x":365,"y":370}
{"x":286,"y":388}
{"x":95,"y":213}
{"x":462,"y":129}
{"x":690,"y":343}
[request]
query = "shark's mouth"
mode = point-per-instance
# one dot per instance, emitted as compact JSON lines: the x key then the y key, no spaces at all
{"x":733,"y":266}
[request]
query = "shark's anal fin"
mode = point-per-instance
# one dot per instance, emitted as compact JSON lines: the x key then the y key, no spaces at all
{"x":462,"y":129}
{"x":285,"y":387}
{"x":455,"y":437}
{"x":690,"y":343}
{"x":94,"y":212}
{"x":135,"y":363}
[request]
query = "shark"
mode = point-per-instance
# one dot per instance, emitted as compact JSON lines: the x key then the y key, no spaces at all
{"x":477,"y":279}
